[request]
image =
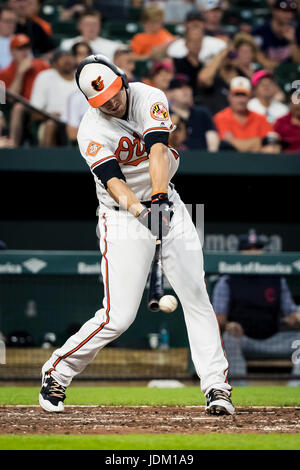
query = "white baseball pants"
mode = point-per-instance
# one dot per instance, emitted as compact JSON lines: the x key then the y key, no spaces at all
{"x":127,"y":253}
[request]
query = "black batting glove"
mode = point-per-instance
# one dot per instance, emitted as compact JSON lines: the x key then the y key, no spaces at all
{"x":157,"y":218}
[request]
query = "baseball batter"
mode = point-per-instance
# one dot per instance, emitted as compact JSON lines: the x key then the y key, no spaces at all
{"x":124,"y":139}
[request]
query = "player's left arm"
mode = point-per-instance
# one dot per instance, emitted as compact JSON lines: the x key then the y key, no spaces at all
{"x":159,"y":168}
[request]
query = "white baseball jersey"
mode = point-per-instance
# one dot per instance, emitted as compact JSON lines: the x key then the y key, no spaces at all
{"x":102,"y":138}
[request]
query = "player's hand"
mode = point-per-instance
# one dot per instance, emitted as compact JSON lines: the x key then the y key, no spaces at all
{"x":157,"y":218}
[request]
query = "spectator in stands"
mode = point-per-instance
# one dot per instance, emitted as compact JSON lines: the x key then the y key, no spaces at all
{"x":190,"y":65}
{"x":213,"y":15}
{"x":77,"y":104}
{"x":245,"y":54}
{"x":279,"y":38}
{"x":178,"y":135}
{"x":8,"y":22}
{"x":288,"y":127}
{"x":264,"y":101}
{"x":210,"y":46}
{"x":5,"y":141}
{"x":242,"y":128}
{"x":19,"y":78}
{"x":89,"y":26}
{"x":125,"y":59}
{"x":41,"y":42}
{"x":272,"y":143}
{"x":252,"y":310}
{"x":33,"y":10}
{"x":50,"y":93}
{"x":154,"y":41}
{"x":200,"y":128}
{"x":160,"y":75}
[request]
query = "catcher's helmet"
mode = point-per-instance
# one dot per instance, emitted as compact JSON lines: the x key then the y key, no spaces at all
{"x":99,"y":79}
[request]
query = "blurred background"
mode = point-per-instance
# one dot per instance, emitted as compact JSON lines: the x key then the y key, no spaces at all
{"x":231,"y":72}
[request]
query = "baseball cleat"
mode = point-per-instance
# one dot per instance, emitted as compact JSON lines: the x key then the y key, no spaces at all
{"x":218,"y":403}
{"x":52,"y":395}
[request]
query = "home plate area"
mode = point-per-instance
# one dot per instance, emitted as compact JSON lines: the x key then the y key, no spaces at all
{"x":146,"y":419}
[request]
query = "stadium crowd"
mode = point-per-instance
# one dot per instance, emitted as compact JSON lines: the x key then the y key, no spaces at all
{"x":228,"y":67}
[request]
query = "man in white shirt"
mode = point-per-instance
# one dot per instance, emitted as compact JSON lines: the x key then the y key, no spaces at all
{"x":264,"y":101}
{"x":210,"y":46}
{"x":50,"y":93}
{"x":89,"y":26}
{"x":8,"y":21}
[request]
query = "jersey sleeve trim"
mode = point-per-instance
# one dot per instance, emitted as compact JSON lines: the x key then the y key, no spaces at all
{"x":102,"y":160}
{"x":161,"y":129}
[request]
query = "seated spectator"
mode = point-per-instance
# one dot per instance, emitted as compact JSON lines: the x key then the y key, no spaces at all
{"x":264,"y":102}
{"x":89,"y":26}
{"x":178,"y":135}
{"x":213,"y":15}
{"x":272,"y":143}
{"x":33,"y":9}
{"x":19,"y":78}
{"x":125,"y":59}
{"x":50,"y":93}
{"x":242,"y":128}
{"x":160,"y":75}
{"x":41,"y":42}
{"x":200,"y":128}
{"x":251,"y":311}
{"x":154,"y":41}
{"x":5,"y":141}
{"x":77,"y":104}
{"x":245,"y":54}
{"x":288,"y":127}
{"x":190,"y":65}
{"x":80,"y":51}
{"x":279,"y":38}
{"x":210,"y":46}
{"x":8,"y":22}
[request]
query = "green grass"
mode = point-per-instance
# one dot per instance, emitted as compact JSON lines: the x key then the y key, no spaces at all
{"x":153,"y":442}
{"x":242,"y":396}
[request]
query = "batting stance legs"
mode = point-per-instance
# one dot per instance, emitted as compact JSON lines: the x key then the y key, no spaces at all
{"x":126,"y":262}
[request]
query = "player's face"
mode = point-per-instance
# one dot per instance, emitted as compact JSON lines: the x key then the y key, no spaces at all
{"x":116,"y":106}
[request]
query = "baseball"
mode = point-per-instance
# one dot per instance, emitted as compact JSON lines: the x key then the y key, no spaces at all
{"x":168,"y":303}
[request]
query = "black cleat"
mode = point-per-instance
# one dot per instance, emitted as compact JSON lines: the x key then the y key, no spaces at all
{"x":52,"y":395}
{"x":218,"y":403}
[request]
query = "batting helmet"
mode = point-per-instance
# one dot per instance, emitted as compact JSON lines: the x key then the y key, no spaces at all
{"x":99,"y":79}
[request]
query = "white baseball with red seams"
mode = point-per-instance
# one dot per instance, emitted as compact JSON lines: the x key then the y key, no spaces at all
{"x":128,"y":248}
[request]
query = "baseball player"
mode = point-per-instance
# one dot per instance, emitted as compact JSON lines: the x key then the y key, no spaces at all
{"x":124,"y":139}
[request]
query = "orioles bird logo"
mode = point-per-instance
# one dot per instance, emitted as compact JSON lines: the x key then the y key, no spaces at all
{"x":98,"y":84}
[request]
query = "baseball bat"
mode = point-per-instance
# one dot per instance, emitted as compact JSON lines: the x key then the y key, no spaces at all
{"x":156,"y":290}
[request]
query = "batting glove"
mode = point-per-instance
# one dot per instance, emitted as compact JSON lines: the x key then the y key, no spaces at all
{"x":157,"y":218}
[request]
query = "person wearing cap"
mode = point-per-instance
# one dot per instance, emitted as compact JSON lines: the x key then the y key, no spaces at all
{"x":50,"y":93}
{"x":242,"y":128}
{"x":210,"y":46}
{"x":213,"y":14}
{"x":160,"y":75}
{"x":279,"y":38}
{"x":200,"y":127}
{"x":264,"y":100}
{"x":153,"y":42}
{"x":288,"y":126}
{"x":257,"y":315}
{"x":41,"y":42}
{"x":89,"y":26}
{"x":123,"y":138}
{"x":8,"y":22}
{"x":19,"y":78}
